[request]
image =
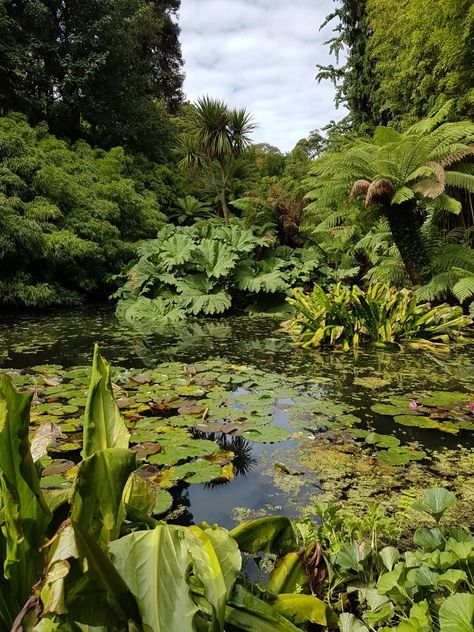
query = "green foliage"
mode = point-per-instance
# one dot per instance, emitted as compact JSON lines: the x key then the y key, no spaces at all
{"x":347,"y":317}
{"x":213,"y":142}
{"x":427,"y":587}
{"x":433,"y":58}
{"x":105,"y":72}
{"x":209,"y":268}
{"x":68,"y":216}
{"x":98,"y":569}
{"x":398,"y":175}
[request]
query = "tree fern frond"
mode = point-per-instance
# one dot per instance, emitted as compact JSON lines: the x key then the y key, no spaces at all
{"x":460,"y":180}
{"x":403,"y":194}
{"x":464,"y":288}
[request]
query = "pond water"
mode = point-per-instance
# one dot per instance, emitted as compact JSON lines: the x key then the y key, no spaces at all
{"x":337,"y":384}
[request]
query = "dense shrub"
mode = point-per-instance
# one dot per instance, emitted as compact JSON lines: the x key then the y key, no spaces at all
{"x":68,"y":216}
{"x":208,"y":268}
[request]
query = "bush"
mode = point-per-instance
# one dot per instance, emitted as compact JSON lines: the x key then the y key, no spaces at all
{"x":207,"y":268}
{"x":348,"y":316}
{"x":69,"y":216}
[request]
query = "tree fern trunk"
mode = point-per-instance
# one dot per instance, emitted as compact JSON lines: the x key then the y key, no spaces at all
{"x":405,"y":228}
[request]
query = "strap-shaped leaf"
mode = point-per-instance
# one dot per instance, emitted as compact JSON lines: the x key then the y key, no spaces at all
{"x":103,"y":425}
{"x":26,"y":513}
{"x":97,"y":505}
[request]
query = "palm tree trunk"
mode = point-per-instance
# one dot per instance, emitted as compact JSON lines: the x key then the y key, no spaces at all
{"x":405,"y":228}
{"x":225,"y":207}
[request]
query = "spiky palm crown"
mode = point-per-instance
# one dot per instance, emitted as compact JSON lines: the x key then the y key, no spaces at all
{"x":419,"y":164}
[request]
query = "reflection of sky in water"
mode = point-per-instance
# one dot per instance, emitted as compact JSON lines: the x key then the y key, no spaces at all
{"x":67,"y":338}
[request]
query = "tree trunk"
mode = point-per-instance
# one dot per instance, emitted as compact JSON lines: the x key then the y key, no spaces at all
{"x":405,"y":228}
{"x":225,"y":207}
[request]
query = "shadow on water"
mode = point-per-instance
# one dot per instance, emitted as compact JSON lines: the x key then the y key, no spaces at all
{"x":67,"y":338}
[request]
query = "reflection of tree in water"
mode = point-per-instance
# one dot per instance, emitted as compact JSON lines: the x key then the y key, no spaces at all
{"x":243,"y":461}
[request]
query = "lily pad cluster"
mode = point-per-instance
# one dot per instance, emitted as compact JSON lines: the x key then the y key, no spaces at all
{"x":176,"y":416}
{"x":448,"y":412}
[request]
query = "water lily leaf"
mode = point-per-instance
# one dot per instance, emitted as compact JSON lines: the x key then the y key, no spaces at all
{"x":418,"y":421}
{"x":456,"y":614}
{"x":382,"y":441}
{"x":199,"y":471}
{"x":389,"y":409}
{"x":172,"y":454}
{"x":443,"y":398}
{"x":163,"y":503}
{"x":400,"y":456}
{"x":190,"y":391}
{"x":266,"y":434}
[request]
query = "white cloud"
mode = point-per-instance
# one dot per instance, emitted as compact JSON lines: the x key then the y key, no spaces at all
{"x":261,"y":54}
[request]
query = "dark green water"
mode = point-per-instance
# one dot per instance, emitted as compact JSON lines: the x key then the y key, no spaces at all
{"x":67,"y":338}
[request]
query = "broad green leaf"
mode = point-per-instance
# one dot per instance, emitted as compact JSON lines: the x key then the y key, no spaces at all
{"x":227,"y":551}
{"x":215,"y":258}
{"x":25,"y":512}
{"x":288,"y":575}
{"x":435,"y":502}
{"x":103,"y":425}
{"x":456,"y":614}
{"x":275,"y":534}
{"x":389,"y":556}
{"x":349,"y":623}
{"x":154,"y":565}
{"x":451,"y":579}
{"x":97,"y":505}
{"x":304,"y":608}
{"x":247,"y":612}
{"x":200,"y":294}
{"x":422,"y":576}
{"x":208,"y":571}
{"x":429,"y":539}
{"x":104,"y":575}
{"x":419,"y":620}
{"x":352,"y":555}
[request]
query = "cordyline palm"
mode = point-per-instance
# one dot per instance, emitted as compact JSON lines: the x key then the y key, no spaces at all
{"x":216,"y":138}
{"x":397,"y":173}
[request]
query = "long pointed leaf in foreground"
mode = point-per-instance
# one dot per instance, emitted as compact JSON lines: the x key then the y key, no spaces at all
{"x":103,"y":425}
{"x":274,"y":534}
{"x":97,"y":505}
{"x":154,"y":565}
{"x":25,"y":510}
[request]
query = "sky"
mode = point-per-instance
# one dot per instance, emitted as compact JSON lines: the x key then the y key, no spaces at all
{"x":262,"y":55}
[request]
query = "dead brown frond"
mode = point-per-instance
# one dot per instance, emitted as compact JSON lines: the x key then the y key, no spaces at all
{"x":433,"y":186}
{"x":380,"y":192}
{"x":360,"y":187}
{"x":457,"y":156}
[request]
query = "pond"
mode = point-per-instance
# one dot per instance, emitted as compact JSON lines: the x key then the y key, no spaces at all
{"x":351,"y":427}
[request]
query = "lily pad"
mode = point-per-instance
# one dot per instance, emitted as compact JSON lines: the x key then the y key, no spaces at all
{"x":382,"y":441}
{"x":266,"y":434}
{"x":199,"y":471}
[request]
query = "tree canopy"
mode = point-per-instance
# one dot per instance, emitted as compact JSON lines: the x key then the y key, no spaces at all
{"x":102,"y":70}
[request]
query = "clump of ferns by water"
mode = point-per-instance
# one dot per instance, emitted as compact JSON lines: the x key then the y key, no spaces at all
{"x":349,"y":316}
